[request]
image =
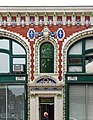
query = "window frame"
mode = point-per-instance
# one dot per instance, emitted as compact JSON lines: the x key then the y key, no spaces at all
{"x":51,"y":58}
{"x":82,"y":56}
{"x":11,"y":56}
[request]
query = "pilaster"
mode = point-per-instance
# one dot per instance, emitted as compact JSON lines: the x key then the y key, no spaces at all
{"x":64,"y":18}
{"x":82,"y":19}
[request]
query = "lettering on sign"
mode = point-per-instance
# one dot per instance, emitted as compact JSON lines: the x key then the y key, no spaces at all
{"x":46,"y":100}
{"x":72,"y":78}
{"x":20,"y":78}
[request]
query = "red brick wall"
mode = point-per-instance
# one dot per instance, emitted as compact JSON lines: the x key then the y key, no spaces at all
{"x":23,"y":31}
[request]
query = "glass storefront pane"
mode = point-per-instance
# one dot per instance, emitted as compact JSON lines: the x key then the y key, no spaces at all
{"x":15,"y":101}
{"x":90,"y":102}
{"x":2,"y":103}
{"x":77,"y":102}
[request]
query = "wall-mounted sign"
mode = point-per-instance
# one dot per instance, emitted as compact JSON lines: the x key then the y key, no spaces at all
{"x":20,"y":78}
{"x":47,"y":100}
{"x":72,"y":78}
{"x":31,"y":34}
{"x":60,"y":34}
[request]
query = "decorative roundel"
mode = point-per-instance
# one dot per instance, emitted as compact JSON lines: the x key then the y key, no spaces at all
{"x":31,"y":34}
{"x":60,"y":34}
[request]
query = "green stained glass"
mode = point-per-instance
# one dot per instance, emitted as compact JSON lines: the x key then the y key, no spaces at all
{"x":47,"y":58}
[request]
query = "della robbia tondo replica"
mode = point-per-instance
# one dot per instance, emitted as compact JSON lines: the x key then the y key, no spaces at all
{"x":46,"y":63}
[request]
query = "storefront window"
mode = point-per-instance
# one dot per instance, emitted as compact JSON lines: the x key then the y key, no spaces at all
{"x":12,"y":102}
{"x":81,"y":102}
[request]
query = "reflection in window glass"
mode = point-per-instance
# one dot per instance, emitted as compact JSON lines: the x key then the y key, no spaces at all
{"x":18,"y":60}
{"x":47,"y":58}
{"x":76,"y":49}
{"x":75,"y":60}
{"x":89,"y":44}
{"x":77,"y":102}
{"x":2,"y":103}
{"x":17,"y":49}
{"x":4,"y":63}
{"x":15,"y":102}
{"x":89,"y":63}
{"x":4,"y":44}
{"x":75,"y":68}
{"x":12,"y":102}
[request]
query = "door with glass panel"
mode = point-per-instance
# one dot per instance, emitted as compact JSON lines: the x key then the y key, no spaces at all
{"x":46,"y":105}
{"x":81,"y":102}
{"x":12,"y":102}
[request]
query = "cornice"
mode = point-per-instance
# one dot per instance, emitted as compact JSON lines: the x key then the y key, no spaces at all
{"x":46,"y":8}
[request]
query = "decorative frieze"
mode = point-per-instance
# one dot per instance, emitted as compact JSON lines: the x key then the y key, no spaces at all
{"x":53,"y":19}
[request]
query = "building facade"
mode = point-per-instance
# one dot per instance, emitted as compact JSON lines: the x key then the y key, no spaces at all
{"x":46,"y":58}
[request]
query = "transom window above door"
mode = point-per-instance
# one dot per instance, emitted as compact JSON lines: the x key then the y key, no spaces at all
{"x":80,"y":56}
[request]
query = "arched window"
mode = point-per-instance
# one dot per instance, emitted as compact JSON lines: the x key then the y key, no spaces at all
{"x":80,"y":56}
{"x":12,"y":57}
{"x":46,"y":58}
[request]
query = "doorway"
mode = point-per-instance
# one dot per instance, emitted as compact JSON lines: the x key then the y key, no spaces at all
{"x":46,"y":105}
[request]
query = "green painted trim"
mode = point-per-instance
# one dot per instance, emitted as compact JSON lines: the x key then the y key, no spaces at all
{"x":11,"y":56}
{"x":81,"y":78}
{"x":74,"y":56}
{"x":84,"y":52}
{"x":26,"y":103}
{"x":12,"y":78}
{"x":67,"y":102}
{"x":11,"y":60}
{"x":4,"y":51}
{"x":88,"y":51}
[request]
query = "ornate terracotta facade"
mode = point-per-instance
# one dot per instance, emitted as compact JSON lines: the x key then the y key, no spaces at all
{"x":76,"y":23}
